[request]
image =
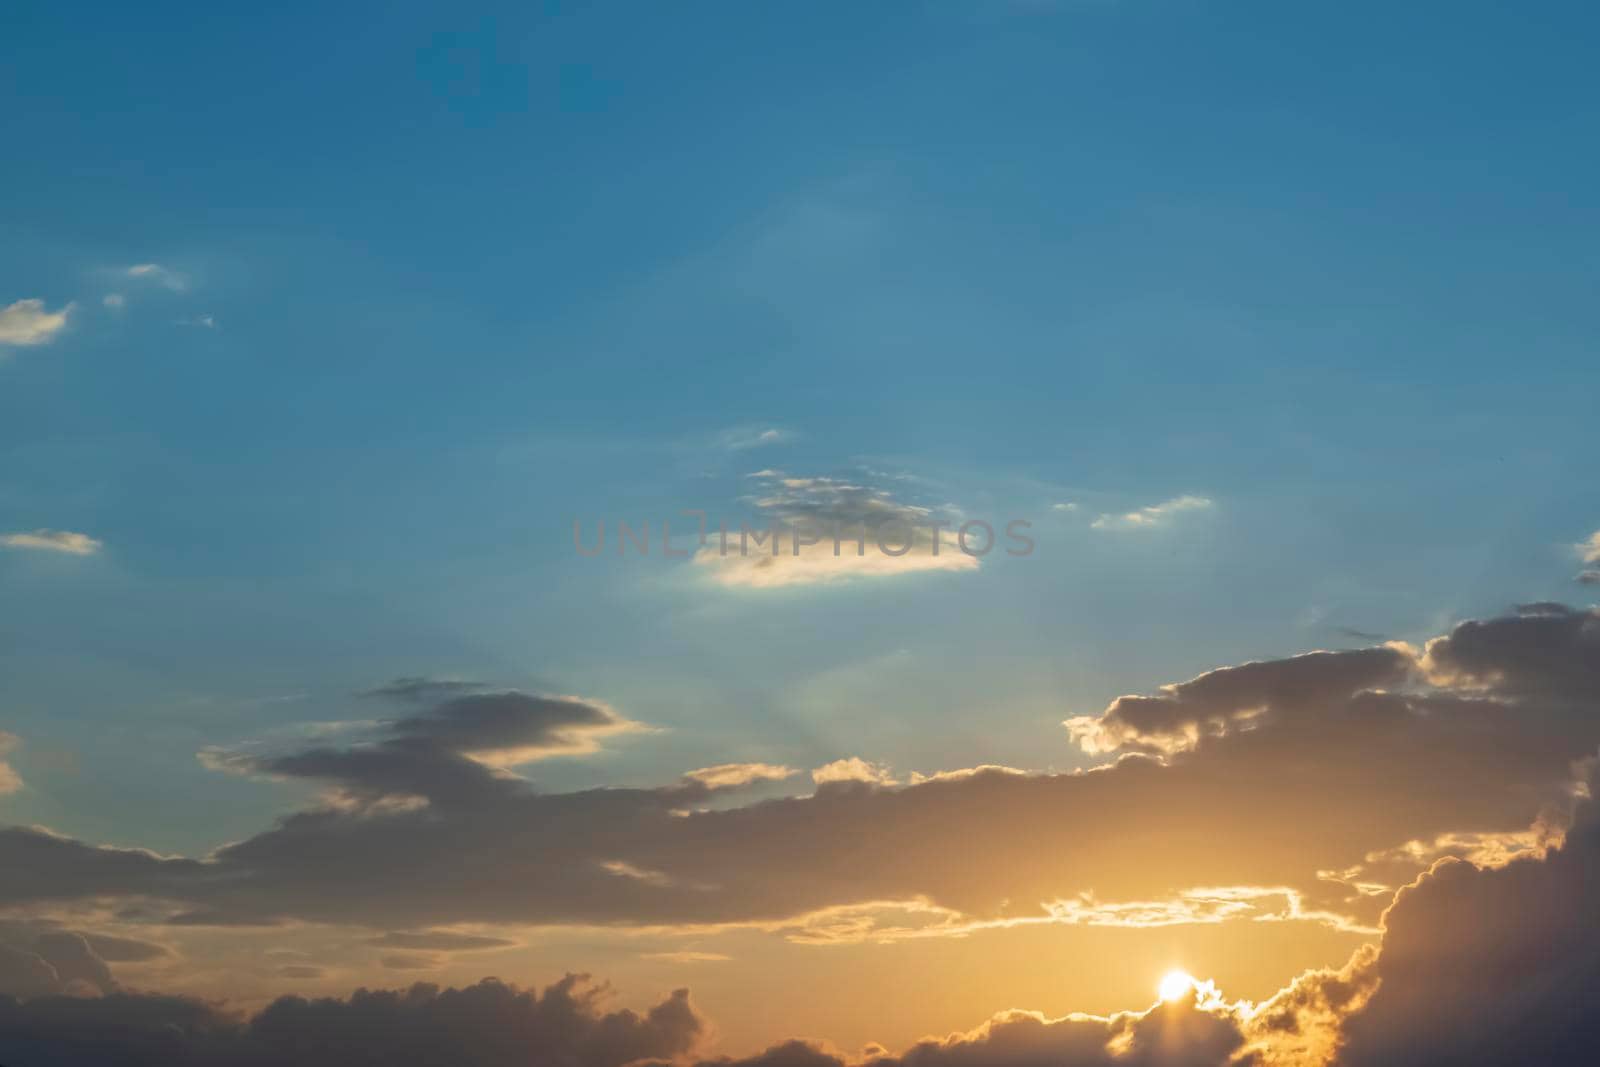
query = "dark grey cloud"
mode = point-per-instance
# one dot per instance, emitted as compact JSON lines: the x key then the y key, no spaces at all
{"x":454,"y":753}
{"x":486,"y":1025}
{"x":1490,"y":966}
{"x":1548,"y":651}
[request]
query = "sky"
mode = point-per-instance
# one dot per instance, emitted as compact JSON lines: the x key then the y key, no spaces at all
{"x":1258,"y":337}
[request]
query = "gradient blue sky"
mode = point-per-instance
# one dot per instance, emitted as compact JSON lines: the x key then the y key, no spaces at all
{"x":443,"y":290}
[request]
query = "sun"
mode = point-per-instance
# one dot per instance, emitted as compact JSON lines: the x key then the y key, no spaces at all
{"x":1175,"y":985}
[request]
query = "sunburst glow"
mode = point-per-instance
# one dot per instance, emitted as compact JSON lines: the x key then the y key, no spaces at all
{"x":1175,"y":985}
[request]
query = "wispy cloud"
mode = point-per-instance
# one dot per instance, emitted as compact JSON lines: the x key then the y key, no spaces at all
{"x":1153,"y":515}
{"x":165,"y":277}
{"x":740,"y":438}
{"x":64,"y":541}
{"x":28,"y":322}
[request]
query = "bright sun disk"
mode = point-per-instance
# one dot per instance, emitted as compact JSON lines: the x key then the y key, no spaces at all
{"x":1175,"y":985}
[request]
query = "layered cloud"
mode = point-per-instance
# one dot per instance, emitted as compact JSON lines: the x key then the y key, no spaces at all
{"x":1477,"y":966}
{"x":1337,"y":777}
{"x":1329,"y":765}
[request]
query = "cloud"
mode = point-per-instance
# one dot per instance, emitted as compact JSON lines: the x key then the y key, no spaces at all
{"x":41,"y":960}
{"x":301,"y":970}
{"x":42,"y":540}
{"x":162,"y":276}
{"x":1153,"y":515}
{"x":732,"y":775}
{"x":490,"y":1024}
{"x":27,"y":323}
{"x":1225,"y":699}
{"x":409,"y":961}
{"x":853,"y":769}
{"x":743,"y":438}
{"x":1325,"y":763}
{"x":114,"y":301}
{"x":440,"y":941}
{"x":1388,"y":757}
{"x":460,"y":750}
{"x":425,"y":690}
{"x":1589,"y":549}
{"x":686,"y":957}
{"x":10,"y":780}
{"x":816,"y":530}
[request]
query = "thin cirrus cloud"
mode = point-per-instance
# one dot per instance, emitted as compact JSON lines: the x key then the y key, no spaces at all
{"x":26,"y":323}
{"x":66,"y":542}
{"x":1153,"y":515}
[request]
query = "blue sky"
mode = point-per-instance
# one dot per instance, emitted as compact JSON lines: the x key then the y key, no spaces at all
{"x":434,"y":284}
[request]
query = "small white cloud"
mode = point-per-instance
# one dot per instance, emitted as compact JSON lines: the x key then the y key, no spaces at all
{"x":114,"y":301}
{"x":64,"y":541}
{"x":205,"y":322}
{"x":163,"y":276}
{"x":10,"y":781}
{"x":1065,"y":506}
{"x":26,"y":322}
{"x":854,"y":769}
{"x":1154,"y":515}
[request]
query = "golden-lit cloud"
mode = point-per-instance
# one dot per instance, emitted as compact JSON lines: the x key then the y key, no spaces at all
{"x":28,"y":322}
{"x":1153,"y":515}
{"x":10,"y":780}
{"x":733,"y":775}
{"x":65,"y":542}
{"x":1332,"y":779}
